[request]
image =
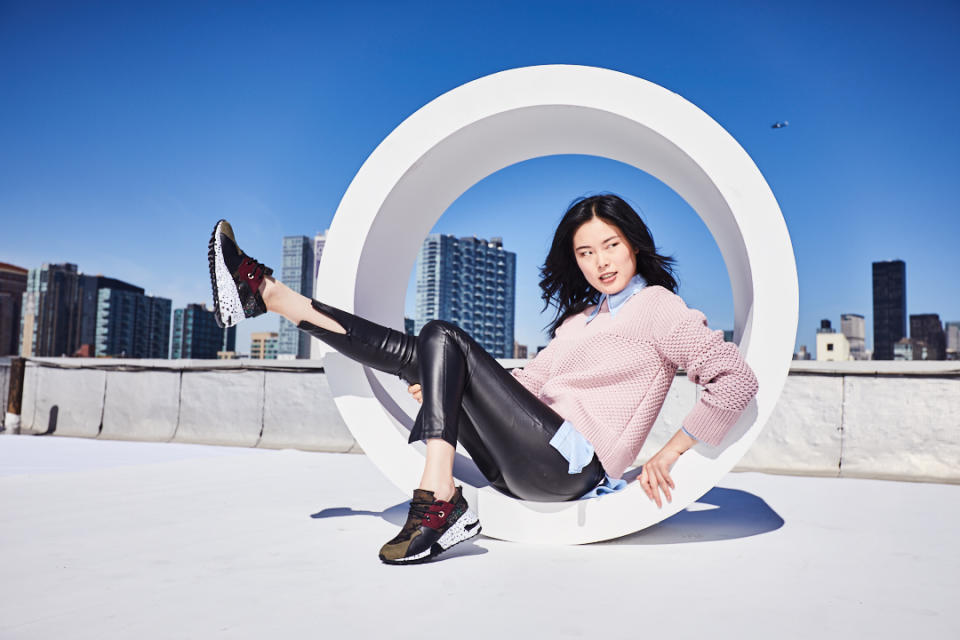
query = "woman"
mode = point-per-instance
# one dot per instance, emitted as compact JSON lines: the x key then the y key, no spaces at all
{"x":569,"y":424}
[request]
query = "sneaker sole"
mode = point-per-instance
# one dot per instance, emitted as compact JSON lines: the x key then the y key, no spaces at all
{"x":468,"y":526}
{"x":227,"y":307}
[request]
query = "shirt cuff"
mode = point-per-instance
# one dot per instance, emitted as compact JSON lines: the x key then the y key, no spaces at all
{"x":684,"y":429}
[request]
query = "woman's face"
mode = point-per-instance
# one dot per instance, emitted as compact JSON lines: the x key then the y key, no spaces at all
{"x":604,"y":256}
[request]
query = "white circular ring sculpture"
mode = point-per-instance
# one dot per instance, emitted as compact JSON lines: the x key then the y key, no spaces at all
{"x":463,"y":136}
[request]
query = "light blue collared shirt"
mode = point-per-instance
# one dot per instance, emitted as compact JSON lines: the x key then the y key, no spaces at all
{"x":571,"y":444}
{"x":617,"y":300}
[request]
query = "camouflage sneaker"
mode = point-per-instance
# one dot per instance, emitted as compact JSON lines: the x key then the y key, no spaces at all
{"x":235,"y":278}
{"x":432,"y":527}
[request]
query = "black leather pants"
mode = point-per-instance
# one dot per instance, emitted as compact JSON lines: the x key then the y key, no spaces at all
{"x":468,"y":397}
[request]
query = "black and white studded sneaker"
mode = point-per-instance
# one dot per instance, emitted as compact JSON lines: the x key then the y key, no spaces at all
{"x":235,"y":277}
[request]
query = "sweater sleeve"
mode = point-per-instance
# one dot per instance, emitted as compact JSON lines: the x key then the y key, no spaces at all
{"x":728,"y":381}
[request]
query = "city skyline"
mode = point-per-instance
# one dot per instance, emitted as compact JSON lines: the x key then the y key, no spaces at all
{"x":92,"y":316}
{"x":257,"y":120}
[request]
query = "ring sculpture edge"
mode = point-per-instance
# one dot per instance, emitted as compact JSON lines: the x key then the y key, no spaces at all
{"x":485,"y":125}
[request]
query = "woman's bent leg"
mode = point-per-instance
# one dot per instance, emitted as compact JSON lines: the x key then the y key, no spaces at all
{"x":512,"y":425}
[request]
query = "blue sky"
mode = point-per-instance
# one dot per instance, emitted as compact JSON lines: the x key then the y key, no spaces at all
{"x":127,"y":129}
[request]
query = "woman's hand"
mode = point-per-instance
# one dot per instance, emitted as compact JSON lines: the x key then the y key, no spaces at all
{"x":417,"y":392}
{"x":655,"y":475}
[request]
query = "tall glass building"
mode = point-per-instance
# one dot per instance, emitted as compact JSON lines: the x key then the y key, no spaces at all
{"x":50,"y":321}
{"x":132,"y":325}
{"x":196,"y":334}
{"x":297,"y":273}
{"x":470,"y":282}
{"x":889,"y":306}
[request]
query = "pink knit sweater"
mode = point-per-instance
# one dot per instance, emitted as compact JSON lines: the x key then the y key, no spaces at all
{"x":609,"y":377}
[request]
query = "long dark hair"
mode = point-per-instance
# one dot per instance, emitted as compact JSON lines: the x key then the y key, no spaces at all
{"x":561,"y":280}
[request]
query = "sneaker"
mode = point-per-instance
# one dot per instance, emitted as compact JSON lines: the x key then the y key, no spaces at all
{"x":432,"y":527}
{"x":235,"y":277}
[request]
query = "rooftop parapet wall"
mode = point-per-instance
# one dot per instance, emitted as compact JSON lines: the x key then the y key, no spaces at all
{"x":888,"y":420}
{"x":282,"y":405}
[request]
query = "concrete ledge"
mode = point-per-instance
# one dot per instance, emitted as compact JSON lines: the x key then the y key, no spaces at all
{"x":141,"y":405}
{"x":221,"y":407}
{"x":28,"y":404}
{"x":299,"y":413}
{"x":897,"y":368}
{"x":66,"y":402}
{"x":890,"y":420}
{"x":901,"y":428}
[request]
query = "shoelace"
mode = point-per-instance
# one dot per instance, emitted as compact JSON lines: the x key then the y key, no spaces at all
{"x":420,"y":510}
{"x":256,"y":273}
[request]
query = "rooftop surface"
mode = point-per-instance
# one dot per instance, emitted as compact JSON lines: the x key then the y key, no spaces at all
{"x":106,"y":539}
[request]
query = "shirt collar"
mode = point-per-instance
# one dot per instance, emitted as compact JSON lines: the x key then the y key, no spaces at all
{"x":618,"y":299}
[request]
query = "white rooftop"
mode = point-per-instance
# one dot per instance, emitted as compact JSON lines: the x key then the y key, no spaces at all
{"x":105,"y":539}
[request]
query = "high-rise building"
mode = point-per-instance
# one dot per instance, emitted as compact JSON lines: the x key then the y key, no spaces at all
{"x":889,"y":306}
{"x":471,"y":283}
{"x":50,"y":319}
{"x":263,"y":345}
{"x":436,"y":274}
{"x":196,"y":334}
{"x":89,"y":292}
{"x":952,"y":330}
{"x":131,"y":325}
{"x":296,"y":272}
{"x":319,"y":242}
{"x":927,"y":328}
{"x":13,"y":283}
{"x":852,"y":325}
